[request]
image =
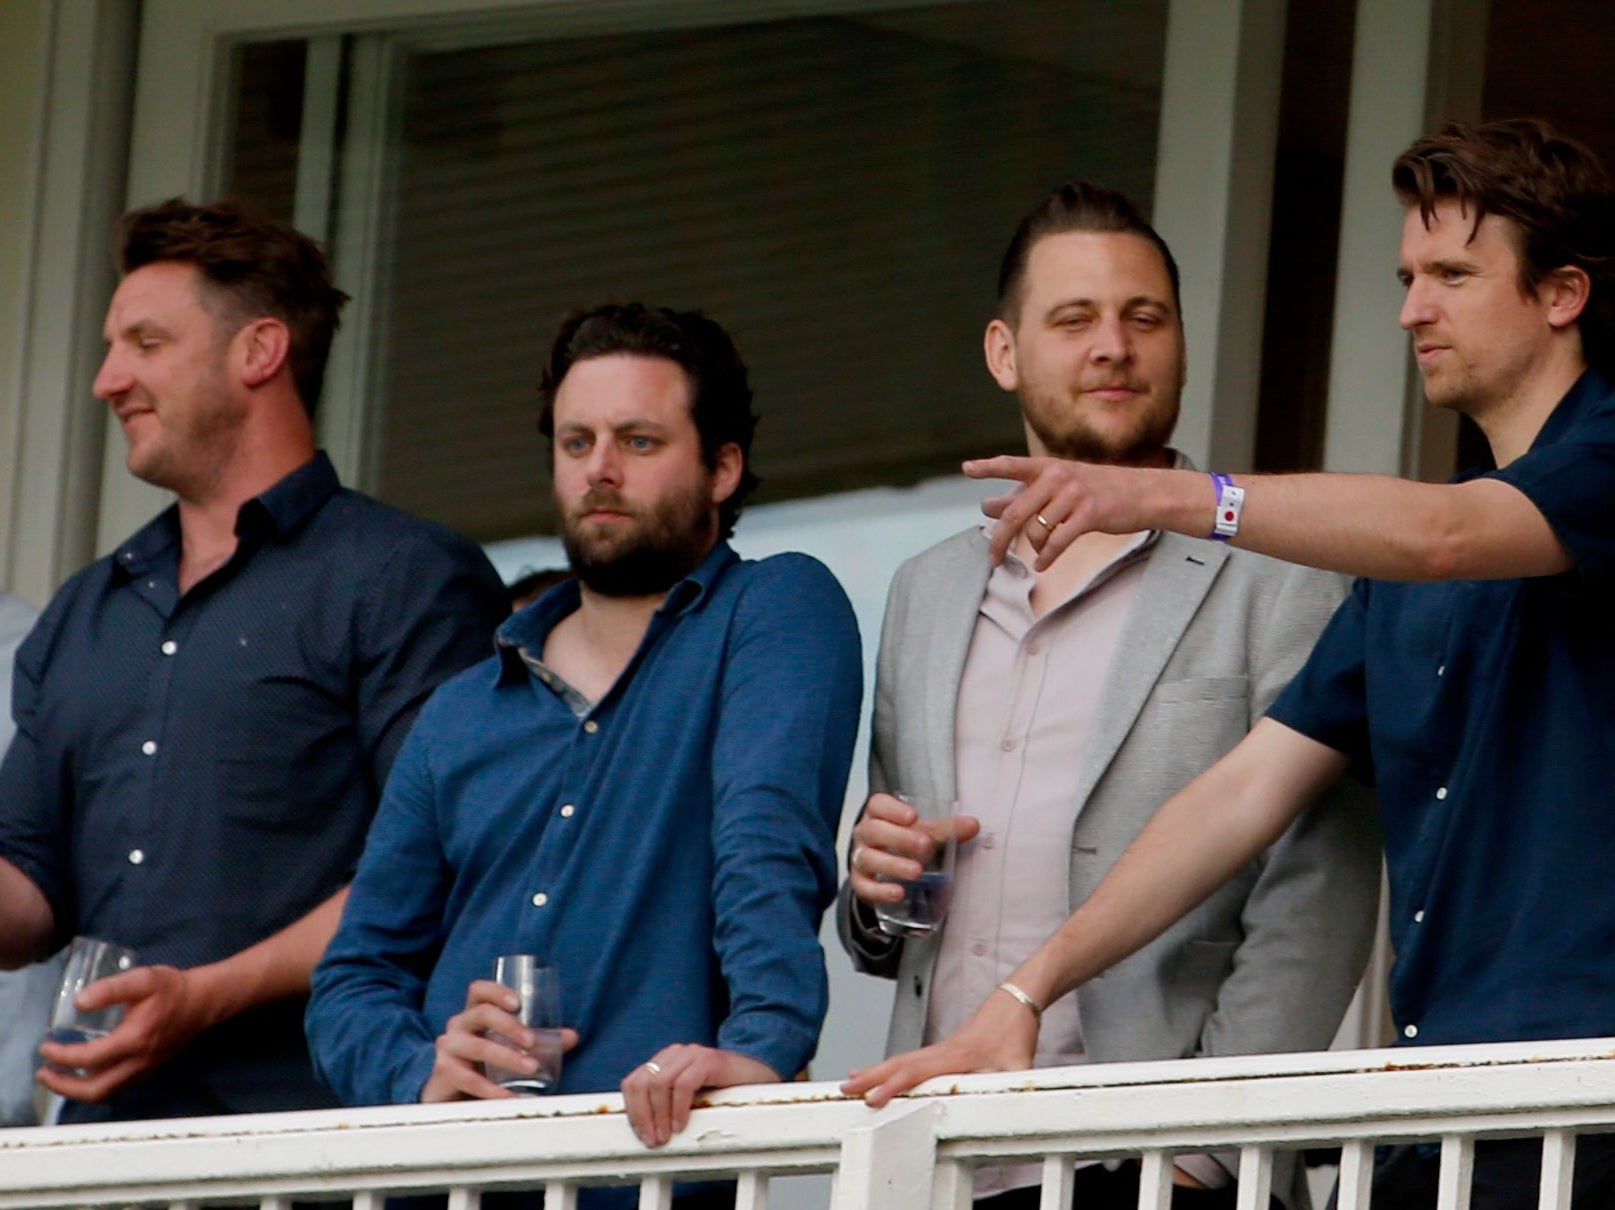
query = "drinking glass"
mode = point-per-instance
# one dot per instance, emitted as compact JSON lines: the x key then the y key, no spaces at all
{"x":538,"y":988}
{"x":924,"y":905}
{"x":89,"y":959}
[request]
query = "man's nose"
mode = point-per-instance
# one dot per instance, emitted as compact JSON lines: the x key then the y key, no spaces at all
{"x":112,"y":379}
{"x":1417,"y":308}
{"x":1111,"y":340}
{"x":605,"y":463}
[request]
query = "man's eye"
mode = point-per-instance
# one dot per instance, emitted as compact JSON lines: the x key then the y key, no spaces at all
{"x":575,"y":445}
{"x":641,"y":445}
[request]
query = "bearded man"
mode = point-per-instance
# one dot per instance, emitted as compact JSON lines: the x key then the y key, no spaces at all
{"x":642,"y":785}
{"x":1059,"y":706}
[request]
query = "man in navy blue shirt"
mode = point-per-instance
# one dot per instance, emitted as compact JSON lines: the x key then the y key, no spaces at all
{"x":1473,"y":678}
{"x":205,"y":718}
{"x":642,"y":786}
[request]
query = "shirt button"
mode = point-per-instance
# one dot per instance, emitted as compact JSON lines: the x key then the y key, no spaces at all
{"x":1007,"y":745}
{"x":1034,"y":649}
{"x":1441,"y":670}
{"x":1441,"y":794}
{"x":540,"y":899}
{"x":149,"y":747}
{"x":988,"y":841}
{"x":978,"y":948}
{"x":136,"y":856}
{"x":568,"y":811}
{"x":591,"y":726}
{"x":1418,"y":916}
{"x":170,"y":647}
{"x":1410,"y":1031}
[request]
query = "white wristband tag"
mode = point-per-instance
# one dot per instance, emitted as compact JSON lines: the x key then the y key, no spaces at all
{"x":1230,"y":504}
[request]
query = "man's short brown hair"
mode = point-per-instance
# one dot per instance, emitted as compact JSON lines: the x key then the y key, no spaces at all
{"x":252,"y":267}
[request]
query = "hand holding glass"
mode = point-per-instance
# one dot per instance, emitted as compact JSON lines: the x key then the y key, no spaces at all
{"x":88,"y":960}
{"x":924,"y":905}
{"x":538,"y":991}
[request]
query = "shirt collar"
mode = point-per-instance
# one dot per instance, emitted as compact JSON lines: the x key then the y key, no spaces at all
{"x":1585,"y":394}
{"x":528,"y":629}
{"x":279,"y":510}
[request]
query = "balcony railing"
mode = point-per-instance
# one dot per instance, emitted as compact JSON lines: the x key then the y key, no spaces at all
{"x":917,"y":1153}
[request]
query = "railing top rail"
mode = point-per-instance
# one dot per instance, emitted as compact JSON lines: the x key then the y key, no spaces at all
{"x":1093,"y":1110}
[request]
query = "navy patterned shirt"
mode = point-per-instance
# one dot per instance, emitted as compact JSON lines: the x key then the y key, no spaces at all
{"x":192,"y":774}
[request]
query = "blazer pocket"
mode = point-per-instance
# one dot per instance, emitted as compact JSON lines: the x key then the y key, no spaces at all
{"x":1204,"y":689}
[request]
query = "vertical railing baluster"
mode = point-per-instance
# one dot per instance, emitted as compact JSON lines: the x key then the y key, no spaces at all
{"x":1255,"y":1178}
{"x":954,"y":1186}
{"x":1558,"y":1169}
{"x":1155,"y":1180}
{"x":1058,"y":1178}
{"x":1457,"y":1170}
{"x":560,"y":1195}
{"x":464,"y":1197}
{"x":368,"y":1199}
{"x":751,"y":1191}
{"x":1356,"y":1175}
{"x":656,"y":1193}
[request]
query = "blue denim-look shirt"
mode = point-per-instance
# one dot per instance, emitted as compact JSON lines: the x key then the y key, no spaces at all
{"x":1485,"y":713}
{"x":192,"y":774}
{"x":669,"y":848}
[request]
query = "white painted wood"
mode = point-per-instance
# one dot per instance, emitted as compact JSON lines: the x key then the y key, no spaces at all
{"x":751,"y":1191}
{"x":1356,"y":1176}
{"x":656,"y":1193}
{"x":1457,"y":1171}
{"x":561,"y":1195}
{"x":1155,"y":1181}
{"x":1213,"y":205}
{"x":51,"y":442}
{"x":890,"y":1161}
{"x":369,"y":1199}
{"x":1558,"y":1170}
{"x":886,"y":1159}
{"x":463,"y":1197}
{"x":1058,"y":1180}
{"x":1371,"y":379}
{"x":1255,"y":1178}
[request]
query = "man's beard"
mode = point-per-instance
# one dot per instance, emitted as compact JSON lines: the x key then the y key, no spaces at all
{"x":665,"y":543}
{"x":1144,"y":444}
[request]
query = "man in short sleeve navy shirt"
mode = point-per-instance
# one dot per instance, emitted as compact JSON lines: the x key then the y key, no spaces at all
{"x":206,"y":717}
{"x":1472,"y":678}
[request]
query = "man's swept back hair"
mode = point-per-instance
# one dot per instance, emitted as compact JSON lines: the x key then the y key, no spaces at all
{"x":253,"y":268}
{"x":1552,"y":188}
{"x":1075,"y":206}
{"x":719,"y":390}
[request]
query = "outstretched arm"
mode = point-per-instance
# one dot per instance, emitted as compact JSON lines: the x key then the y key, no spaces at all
{"x":1364,"y":525}
{"x":1194,"y":843}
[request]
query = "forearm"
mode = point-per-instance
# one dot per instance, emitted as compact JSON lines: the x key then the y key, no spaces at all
{"x":1194,"y":843}
{"x":276,"y":968}
{"x":29,"y":921}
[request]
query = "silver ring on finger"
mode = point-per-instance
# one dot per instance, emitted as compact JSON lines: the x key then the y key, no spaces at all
{"x":652,"y":1066}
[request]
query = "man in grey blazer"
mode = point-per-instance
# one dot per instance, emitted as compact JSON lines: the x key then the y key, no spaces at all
{"x":1058,"y":708}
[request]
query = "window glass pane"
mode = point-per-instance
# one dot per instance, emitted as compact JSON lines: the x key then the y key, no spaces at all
{"x":836,"y":191}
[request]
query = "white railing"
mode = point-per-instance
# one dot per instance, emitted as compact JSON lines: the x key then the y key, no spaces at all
{"x":917,"y":1153}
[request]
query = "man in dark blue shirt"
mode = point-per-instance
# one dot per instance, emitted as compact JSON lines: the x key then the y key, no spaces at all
{"x":1471,"y":679}
{"x":642,"y":786}
{"x":206,"y":717}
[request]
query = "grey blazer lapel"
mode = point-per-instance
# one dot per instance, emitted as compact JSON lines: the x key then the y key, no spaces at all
{"x":955,"y":594}
{"x":1179,"y":574}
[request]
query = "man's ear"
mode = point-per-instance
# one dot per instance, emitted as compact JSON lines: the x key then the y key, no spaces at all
{"x":999,"y":346}
{"x":1567,"y":291}
{"x":726,"y":475}
{"x":262,"y":347}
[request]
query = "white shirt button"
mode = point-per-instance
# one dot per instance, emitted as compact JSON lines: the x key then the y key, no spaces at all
{"x":1441,"y":670}
{"x":591,"y":726}
{"x":170,"y":647}
{"x":988,"y":840}
{"x":1034,"y":649}
{"x":1410,"y":1031}
{"x":1007,"y":745}
{"x":1418,"y":916}
{"x":1441,"y":794}
{"x":136,"y":856}
{"x":978,"y":948}
{"x":149,"y":747}
{"x":540,"y":899}
{"x":568,"y":811}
